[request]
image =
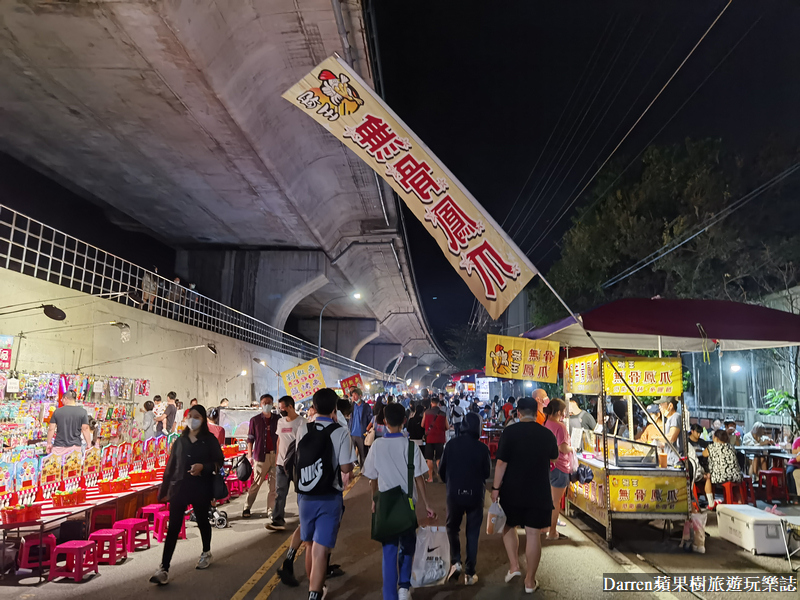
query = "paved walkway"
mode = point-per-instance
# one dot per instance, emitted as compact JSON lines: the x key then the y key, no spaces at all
{"x":246,"y":556}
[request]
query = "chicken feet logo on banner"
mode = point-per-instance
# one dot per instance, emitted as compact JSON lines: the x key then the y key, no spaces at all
{"x":492,"y":266}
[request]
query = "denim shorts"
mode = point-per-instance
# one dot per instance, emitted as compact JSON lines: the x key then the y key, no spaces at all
{"x":320,"y":517}
{"x":559,"y":479}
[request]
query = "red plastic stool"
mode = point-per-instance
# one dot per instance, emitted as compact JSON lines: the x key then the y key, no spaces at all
{"x":133,"y":528}
{"x":151,"y":509}
{"x":102,"y":511}
{"x":29,"y":550}
{"x":731,"y":487}
{"x":162,"y":524}
{"x":773,"y":481}
{"x":750,"y":494}
{"x":81,"y":559}
{"x":115,"y":548}
{"x":493,"y":448}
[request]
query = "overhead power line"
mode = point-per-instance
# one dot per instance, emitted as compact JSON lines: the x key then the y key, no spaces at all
{"x":702,"y":227}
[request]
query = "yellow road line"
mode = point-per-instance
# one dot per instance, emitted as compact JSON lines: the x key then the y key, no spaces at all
{"x":262,"y":570}
{"x":275,"y":579}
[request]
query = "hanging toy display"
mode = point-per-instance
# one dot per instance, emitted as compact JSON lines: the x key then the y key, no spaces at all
{"x":91,"y":467}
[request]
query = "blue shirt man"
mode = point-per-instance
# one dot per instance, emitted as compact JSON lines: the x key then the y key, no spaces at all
{"x":359,"y":419}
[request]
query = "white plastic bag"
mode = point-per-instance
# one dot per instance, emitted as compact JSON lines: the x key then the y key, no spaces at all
{"x":495,"y":519}
{"x":699,"y":529}
{"x":431,"y":557}
{"x":573,"y":462}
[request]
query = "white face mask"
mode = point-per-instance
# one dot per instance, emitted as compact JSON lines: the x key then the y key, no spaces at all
{"x":194,"y":424}
{"x":266,"y":408}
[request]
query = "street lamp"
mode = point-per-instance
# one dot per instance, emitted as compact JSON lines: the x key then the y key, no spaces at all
{"x":242,"y":374}
{"x":355,"y":296}
{"x":134,"y":295}
{"x":50,"y":311}
{"x":263,"y":363}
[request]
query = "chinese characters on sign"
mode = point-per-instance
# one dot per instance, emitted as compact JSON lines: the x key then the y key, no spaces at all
{"x":489,"y":262}
{"x":646,"y":376}
{"x":521,"y":358}
{"x":6,"y":343}
{"x":303,"y":380}
{"x":352,"y":382}
{"x":770,"y":583}
{"x":651,"y":494}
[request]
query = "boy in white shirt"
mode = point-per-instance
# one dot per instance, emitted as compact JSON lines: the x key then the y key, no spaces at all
{"x":386,"y":466}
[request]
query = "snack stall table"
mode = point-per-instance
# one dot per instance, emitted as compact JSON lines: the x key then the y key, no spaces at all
{"x":127,"y":503}
{"x":620,"y":488}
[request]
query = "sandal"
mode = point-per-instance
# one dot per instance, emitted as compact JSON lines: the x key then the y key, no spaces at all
{"x":509,"y":576}
{"x":534,"y":588}
{"x":560,"y":536}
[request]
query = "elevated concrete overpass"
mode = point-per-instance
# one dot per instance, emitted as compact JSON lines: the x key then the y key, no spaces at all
{"x":169,"y":113}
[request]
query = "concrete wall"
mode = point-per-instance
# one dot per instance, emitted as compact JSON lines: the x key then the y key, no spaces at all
{"x":193,"y":373}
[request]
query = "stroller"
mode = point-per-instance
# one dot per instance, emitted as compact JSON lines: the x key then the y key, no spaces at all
{"x":218,"y":518}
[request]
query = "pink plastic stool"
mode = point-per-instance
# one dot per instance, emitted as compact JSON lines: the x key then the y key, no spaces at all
{"x":133,"y":528}
{"x":151,"y":509}
{"x":162,"y":524}
{"x":103,"y":511}
{"x":81,"y":559}
{"x":235,"y":487}
{"x":29,"y":550}
{"x":115,"y":548}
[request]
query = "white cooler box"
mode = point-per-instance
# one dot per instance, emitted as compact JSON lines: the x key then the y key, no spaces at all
{"x":751,"y":528}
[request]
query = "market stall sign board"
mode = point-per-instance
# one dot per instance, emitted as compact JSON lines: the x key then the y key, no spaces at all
{"x":493,"y":267}
{"x":590,"y":497}
{"x":646,"y":376}
{"x":352,"y":382}
{"x":650,"y":494}
{"x":521,"y":358}
{"x":303,"y":380}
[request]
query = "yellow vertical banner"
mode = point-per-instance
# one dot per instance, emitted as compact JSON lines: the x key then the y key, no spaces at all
{"x":582,"y":374}
{"x":521,"y":358}
{"x":493,"y":267}
{"x":303,"y":380}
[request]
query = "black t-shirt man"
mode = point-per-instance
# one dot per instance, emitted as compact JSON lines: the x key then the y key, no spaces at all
{"x":527,"y":448}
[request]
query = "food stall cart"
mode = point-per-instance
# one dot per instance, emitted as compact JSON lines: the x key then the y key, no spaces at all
{"x":628,"y":483}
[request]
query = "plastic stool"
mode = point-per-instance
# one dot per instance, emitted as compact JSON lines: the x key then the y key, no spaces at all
{"x":134,"y":527}
{"x":102,"y":511}
{"x":235,"y":487}
{"x":729,"y":487}
{"x":747,"y":482}
{"x":81,"y":559}
{"x":773,"y":481}
{"x":162,"y":524}
{"x":492,"y":448}
{"x":115,"y":538}
{"x":151,"y":509}
{"x":29,"y":558}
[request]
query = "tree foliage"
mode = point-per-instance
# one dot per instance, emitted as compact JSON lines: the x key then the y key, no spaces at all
{"x":670,"y":192}
{"x":467,"y":346}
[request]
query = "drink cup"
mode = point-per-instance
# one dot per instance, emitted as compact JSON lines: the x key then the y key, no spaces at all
{"x":662,"y":460}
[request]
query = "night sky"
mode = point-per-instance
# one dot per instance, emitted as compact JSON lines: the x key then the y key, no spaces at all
{"x":485,"y":88}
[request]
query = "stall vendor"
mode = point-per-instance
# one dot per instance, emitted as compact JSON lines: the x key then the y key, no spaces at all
{"x":672,"y":427}
{"x":651,"y":432}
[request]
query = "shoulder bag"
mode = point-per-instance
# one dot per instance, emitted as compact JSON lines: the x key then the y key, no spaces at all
{"x":394,"y":509}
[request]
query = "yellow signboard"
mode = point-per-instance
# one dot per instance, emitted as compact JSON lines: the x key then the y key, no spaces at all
{"x":582,"y":375}
{"x":521,"y":358}
{"x":646,"y":376}
{"x":590,"y":497}
{"x":493,"y":267}
{"x":649,"y":493}
{"x":303,"y":380}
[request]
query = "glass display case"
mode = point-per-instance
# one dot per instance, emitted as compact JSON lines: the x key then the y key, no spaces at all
{"x":629,"y":453}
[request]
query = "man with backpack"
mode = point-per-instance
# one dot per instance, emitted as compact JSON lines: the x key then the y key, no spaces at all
{"x":324,"y":451}
{"x":387,"y":467}
{"x":465,"y":467}
{"x":457,"y":415}
{"x":286,"y":453}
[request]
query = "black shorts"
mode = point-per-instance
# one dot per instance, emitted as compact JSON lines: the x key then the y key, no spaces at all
{"x":521,"y":516}
{"x":433,"y":451}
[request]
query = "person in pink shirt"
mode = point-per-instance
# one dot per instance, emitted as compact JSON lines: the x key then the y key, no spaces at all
{"x":559,"y":471}
{"x":793,"y":465}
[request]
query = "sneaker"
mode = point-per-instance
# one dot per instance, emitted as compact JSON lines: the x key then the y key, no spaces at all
{"x":470,"y":579}
{"x":205,"y":560}
{"x":404,"y":594}
{"x":160,"y":577}
{"x":246,"y":513}
{"x":275,"y":527}
{"x":455,"y":572}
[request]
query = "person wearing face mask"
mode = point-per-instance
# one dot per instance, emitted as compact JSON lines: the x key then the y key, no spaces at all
{"x":262,"y":437}
{"x":288,"y":425}
{"x":188,"y":479}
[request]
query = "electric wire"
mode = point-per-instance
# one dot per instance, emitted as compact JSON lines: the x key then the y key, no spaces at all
{"x":638,"y":120}
{"x":650,"y":141}
{"x":571,"y":119}
{"x":702,"y":227}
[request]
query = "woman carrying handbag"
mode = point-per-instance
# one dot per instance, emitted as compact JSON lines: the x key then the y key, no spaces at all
{"x":190,"y":477}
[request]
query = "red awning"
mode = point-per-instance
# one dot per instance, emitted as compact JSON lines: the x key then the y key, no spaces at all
{"x":688,"y":325}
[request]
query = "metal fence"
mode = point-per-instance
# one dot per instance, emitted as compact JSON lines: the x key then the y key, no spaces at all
{"x":32,"y":248}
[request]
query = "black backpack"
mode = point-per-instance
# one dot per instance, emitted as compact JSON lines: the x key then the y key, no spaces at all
{"x":314,"y":469}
